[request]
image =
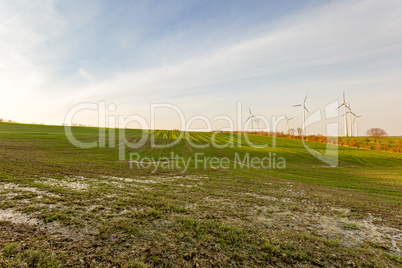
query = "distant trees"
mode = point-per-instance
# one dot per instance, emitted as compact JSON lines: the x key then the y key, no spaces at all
{"x":299,"y":131}
{"x":388,"y":144}
{"x":7,"y":121}
{"x":292,"y":131}
{"x":376,"y":133}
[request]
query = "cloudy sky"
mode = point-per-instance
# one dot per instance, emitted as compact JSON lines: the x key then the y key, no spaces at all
{"x":202,"y":57}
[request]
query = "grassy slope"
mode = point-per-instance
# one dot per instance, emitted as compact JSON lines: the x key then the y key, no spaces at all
{"x":307,"y":213}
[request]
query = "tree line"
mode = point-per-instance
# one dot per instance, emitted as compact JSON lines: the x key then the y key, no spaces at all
{"x":376,"y":139}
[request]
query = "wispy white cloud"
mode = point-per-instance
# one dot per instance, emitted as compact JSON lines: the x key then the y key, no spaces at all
{"x":85,"y":74}
{"x":7,"y":18}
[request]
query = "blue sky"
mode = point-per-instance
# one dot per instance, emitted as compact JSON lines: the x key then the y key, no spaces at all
{"x":202,"y":56}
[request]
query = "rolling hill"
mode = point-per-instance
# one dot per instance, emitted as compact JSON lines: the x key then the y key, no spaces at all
{"x":202,"y":201}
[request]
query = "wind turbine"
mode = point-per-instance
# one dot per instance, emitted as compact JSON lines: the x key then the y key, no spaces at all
{"x":346,"y":120}
{"x":303,"y":105}
{"x":287,"y":122}
{"x":355,"y":121}
{"x":258,"y":122}
{"x":253,"y":118}
{"x":350,"y":125}
{"x":350,"y":120}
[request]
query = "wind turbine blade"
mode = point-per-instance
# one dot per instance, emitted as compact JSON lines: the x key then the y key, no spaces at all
{"x":291,"y":118}
{"x":296,"y":105}
{"x":340,"y":106}
{"x":305,"y":99}
{"x":306,"y":109}
{"x":344,"y":97}
{"x":249,"y":110}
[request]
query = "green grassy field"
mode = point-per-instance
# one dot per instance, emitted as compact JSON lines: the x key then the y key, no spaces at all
{"x":66,"y":206}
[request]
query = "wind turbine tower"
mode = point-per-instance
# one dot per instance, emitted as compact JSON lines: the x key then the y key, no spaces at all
{"x":287,"y":122}
{"x":303,"y":105}
{"x":258,"y":122}
{"x":355,"y":121}
{"x":345,"y":105}
{"x":253,"y":118}
{"x":350,"y":120}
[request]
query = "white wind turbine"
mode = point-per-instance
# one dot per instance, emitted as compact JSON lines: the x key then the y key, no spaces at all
{"x":303,"y":105}
{"x":347,"y":133}
{"x":346,"y":120}
{"x":253,"y":118}
{"x":258,"y":122}
{"x":350,"y":120}
{"x":355,"y":121}
{"x":287,"y":122}
{"x":349,"y":112}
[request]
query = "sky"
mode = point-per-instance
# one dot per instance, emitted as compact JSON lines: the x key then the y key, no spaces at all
{"x":206,"y":58}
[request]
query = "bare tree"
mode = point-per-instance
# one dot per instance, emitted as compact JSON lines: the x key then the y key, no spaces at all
{"x":377,"y":134}
{"x":299,"y":131}
{"x":292,"y":131}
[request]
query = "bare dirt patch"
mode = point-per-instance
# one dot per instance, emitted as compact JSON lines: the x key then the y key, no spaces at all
{"x":350,"y":233}
{"x":53,"y":227}
{"x":71,"y":183}
{"x":12,"y":189}
{"x":16,"y":217}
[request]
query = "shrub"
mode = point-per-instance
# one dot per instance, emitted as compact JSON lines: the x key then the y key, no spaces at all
{"x":354,"y":143}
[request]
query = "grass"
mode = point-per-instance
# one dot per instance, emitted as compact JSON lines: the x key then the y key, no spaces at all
{"x":65,"y":206}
